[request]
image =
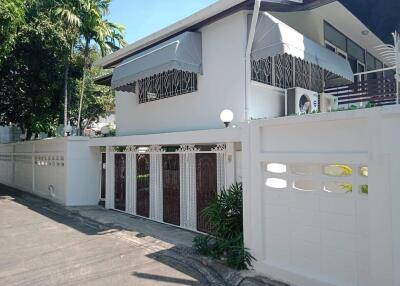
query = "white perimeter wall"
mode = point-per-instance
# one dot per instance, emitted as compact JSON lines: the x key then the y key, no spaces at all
{"x":222,"y":86}
{"x":316,"y":237}
{"x":64,"y":170}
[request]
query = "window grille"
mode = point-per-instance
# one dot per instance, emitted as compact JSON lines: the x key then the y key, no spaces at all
{"x":262,"y":70}
{"x":167,"y":84}
{"x":286,"y":71}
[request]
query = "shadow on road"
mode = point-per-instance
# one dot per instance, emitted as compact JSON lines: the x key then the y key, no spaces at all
{"x":55,"y":212}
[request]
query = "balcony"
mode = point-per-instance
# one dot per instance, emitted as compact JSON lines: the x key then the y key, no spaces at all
{"x":374,"y":92}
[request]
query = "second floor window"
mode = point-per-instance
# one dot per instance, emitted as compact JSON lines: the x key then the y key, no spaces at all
{"x":167,"y":84}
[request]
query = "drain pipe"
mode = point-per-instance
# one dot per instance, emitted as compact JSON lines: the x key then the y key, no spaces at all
{"x":250,"y":41}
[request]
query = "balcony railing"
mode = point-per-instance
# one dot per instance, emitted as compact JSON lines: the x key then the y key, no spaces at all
{"x":377,"y":92}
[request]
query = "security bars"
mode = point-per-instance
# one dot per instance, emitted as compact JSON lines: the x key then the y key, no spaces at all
{"x":286,"y":71}
{"x":167,"y":84}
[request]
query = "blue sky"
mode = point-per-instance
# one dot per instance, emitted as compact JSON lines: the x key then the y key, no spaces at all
{"x":143,"y":17}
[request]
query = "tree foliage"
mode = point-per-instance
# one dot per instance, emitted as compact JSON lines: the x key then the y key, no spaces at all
{"x":11,"y":18}
{"x":45,"y":47}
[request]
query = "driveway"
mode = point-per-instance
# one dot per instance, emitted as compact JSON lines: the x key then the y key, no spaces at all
{"x":42,"y":243}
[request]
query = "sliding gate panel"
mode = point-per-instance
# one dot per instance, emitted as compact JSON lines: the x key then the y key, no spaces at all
{"x":120,"y":182}
{"x":206,"y":186}
{"x":143,"y":185}
{"x":171,"y":189}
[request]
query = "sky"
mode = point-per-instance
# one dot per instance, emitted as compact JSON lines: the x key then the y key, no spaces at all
{"x":144,"y":17}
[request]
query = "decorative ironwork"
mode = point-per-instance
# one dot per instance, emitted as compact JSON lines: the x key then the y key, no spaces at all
{"x":286,"y":71}
{"x":188,"y":148}
{"x":302,"y":74}
{"x":261,"y":71}
{"x":155,"y":149}
{"x":317,"y":78}
{"x":171,"y":188}
{"x":167,"y":84}
{"x":219,"y":148}
{"x":132,"y":149}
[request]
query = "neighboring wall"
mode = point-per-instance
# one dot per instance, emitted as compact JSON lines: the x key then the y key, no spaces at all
{"x":222,"y":86}
{"x":301,"y":222}
{"x":64,"y":170}
{"x":9,"y":134}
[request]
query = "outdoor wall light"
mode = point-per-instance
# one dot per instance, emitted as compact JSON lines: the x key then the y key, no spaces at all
{"x":105,"y":130}
{"x":226,"y":117}
{"x":68,"y":129}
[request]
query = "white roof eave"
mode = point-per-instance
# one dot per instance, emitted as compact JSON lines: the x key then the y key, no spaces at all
{"x":212,"y":10}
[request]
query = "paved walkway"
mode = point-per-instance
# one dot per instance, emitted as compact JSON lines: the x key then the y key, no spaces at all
{"x":42,"y":243}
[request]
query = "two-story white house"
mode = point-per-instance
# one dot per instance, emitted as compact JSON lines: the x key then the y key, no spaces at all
{"x":172,"y":153}
{"x":259,"y":59}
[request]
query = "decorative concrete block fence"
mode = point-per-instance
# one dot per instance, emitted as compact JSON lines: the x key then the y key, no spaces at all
{"x":64,"y":170}
{"x":322,"y":197}
{"x":321,"y":191}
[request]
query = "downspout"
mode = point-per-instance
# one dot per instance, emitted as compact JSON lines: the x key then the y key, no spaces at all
{"x":250,"y":41}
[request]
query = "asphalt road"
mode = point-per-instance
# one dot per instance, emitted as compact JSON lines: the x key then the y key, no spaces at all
{"x":44,"y":244}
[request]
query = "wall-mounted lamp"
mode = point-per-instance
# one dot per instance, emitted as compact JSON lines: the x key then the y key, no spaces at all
{"x":226,"y":117}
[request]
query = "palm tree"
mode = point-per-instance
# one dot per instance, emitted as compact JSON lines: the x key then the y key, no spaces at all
{"x":68,"y":11}
{"x":94,"y":28}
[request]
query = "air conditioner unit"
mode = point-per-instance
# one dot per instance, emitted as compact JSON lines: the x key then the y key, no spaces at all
{"x":328,"y":102}
{"x":301,"y":101}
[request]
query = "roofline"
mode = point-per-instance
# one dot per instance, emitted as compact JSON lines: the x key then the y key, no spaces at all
{"x":169,"y":31}
{"x":205,"y":16}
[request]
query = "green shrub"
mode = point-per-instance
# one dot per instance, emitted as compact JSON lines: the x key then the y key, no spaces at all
{"x":225,"y":214}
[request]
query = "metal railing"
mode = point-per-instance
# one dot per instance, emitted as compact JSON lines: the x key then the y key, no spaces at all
{"x":376,"y":92}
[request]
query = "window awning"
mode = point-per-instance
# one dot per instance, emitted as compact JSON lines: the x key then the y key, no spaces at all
{"x":183,"y":52}
{"x":274,"y":37}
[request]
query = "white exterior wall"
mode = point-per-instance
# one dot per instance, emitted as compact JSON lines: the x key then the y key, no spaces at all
{"x":316,"y":237}
{"x":83,"y":170}
{"x":266,"y":101}
{"x":221,"y":86}
{"x":64,"y":170}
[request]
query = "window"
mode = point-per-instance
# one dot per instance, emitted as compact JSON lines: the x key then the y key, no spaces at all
{"x":330,"y":47}
{"x":360,"y":69}
{"x":356,"y":51}
{"x":342,"y":53}
{"x":336,"y":50}
{"x":166,"y":84}
{"x":334,"y":37}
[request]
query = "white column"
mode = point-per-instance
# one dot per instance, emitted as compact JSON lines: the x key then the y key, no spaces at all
{"x":381,"y":236}
{"x":187,"y":162}
{"x":230,"y":164}
{"x":221,"y":174}
{"x":109,"y":178}
{"x":129,"y":186}
{"x":156,"y":183}
{"x":134,"y":183}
